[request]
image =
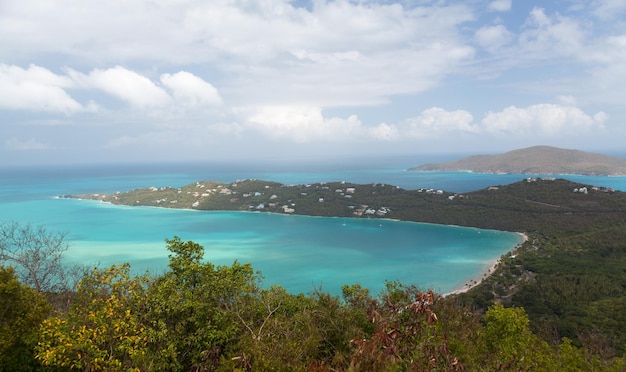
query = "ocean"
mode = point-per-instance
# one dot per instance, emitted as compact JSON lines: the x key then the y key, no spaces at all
{"x":300,"y":253}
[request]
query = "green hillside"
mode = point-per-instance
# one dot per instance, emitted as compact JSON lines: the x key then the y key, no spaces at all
{"x":557,"y":302}
{"x":576,"y":235}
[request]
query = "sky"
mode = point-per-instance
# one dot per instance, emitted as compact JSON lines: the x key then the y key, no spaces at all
{"x":277,"y":80}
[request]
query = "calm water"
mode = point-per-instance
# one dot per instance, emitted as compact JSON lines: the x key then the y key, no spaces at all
{"x":297,"y":252}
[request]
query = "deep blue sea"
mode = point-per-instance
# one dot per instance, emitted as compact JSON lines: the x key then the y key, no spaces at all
{"x":300,"y":253}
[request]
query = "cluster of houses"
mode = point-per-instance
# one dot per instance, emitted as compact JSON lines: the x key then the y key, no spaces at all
{"x":290,"y":207}
{"x":365,"y":210}
{"x":585,"y":190}
{"x":452,"y":197}
{"x":203,"y":190}
{"x":430,"y":191}
{"x":381,"y":212}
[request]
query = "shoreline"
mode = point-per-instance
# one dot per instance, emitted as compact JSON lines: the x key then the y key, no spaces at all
{"x":473,"y":282}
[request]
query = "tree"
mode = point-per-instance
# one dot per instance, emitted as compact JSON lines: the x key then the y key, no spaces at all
{"x":22,"y":309}
{"x":178,"y":321}
{"x":510,"y":342}
{"x":35,"y":253}
{"x":104,"y":330}
{"x":406,"y":335}
{"x":279,"y":331}
{"x":189,"y":309}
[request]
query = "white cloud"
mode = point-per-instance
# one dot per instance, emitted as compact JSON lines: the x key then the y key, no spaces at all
{"x":302,"y":124}
{"x":609,"y":9}
{"x":191,"y":90}
{"x":607,"y":60}
{"x":536,"y":122}
{"x":37,"y":89}
{"x":384,"y":131}
{"x":432,"y":123}
{"x":271,"y":49}
{"x":126,"y":85}
{"x":341,"y":53}
{"x":545,"y":40}
{"x":269,"y":70}
{"x":493,"y":38}
{"x":546,"y":37}
{"x":331,"y":80}
{"x":27,"y":145}
{"x":436,"y":121}
{"x":172,"y":96}
{"x":562,"y":54}
{"x":195,"y":31}
{"x":307,"y":124}
{"x":500,"y":5}
{"x":542,"y":119}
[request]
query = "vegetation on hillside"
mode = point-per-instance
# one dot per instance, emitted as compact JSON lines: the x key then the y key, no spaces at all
{"x":201,"y":317}
{"x":555,"y":303}
{"x":576,"y":238}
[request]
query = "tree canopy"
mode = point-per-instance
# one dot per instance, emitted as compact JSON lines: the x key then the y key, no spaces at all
{"x":201,"y":317}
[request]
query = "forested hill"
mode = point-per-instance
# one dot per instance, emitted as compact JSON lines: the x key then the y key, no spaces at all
{"x":536,"y":160}
{"x":530,"y":205}
{"x":569,"y":276}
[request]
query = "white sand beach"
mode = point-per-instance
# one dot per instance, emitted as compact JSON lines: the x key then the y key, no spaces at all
{"x":477,"y":280}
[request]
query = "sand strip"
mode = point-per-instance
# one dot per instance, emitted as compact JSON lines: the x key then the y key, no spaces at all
{"x":477,"y":280}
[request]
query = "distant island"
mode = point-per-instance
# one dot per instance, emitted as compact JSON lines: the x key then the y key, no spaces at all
{"x":536,"y":160}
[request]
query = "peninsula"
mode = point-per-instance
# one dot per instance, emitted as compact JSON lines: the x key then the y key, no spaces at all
{"x":532,"y":204}
{"x":536,"y":160}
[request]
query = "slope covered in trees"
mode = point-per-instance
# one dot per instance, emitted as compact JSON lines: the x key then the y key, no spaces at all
{"x":564,"y":292}
{"x":201,"y":317}
{"x":576,"y":238}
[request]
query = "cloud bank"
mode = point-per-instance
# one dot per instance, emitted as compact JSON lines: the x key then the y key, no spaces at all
{"x":212,"y":77}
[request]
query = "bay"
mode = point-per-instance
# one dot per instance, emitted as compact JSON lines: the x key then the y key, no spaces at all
{"x":298,"y":252}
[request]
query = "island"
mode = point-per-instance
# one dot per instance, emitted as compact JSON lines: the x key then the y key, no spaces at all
{"x":536,"y":160}
{"x":568,"y":275}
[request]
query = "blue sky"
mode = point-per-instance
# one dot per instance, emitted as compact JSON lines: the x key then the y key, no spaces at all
{"x":143,"y":80}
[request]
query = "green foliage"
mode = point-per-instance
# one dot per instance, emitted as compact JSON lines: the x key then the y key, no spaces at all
{"x":189,"y":317}
{"x":578,"y":287}
{"x":279,"y":332}
{"x":22,"y":309}
{"x":508,"y":336}
{"x":104,"y":329}
{"x":200,"y":317}
{"x":568,"y":277}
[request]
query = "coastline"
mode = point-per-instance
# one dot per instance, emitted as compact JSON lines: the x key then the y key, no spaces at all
{"x":470,"y":283}
{"x":473,"y":282}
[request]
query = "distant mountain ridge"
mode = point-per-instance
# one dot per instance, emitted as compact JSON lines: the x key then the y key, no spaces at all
{"x":536,"y":160}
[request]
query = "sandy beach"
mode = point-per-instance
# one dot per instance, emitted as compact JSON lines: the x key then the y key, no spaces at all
{"x":477,"y":280}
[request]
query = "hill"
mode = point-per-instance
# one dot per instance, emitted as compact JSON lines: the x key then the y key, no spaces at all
{"x":536,"y":160}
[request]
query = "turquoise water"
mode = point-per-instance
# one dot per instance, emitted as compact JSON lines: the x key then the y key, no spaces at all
{"x":300,"y":253}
